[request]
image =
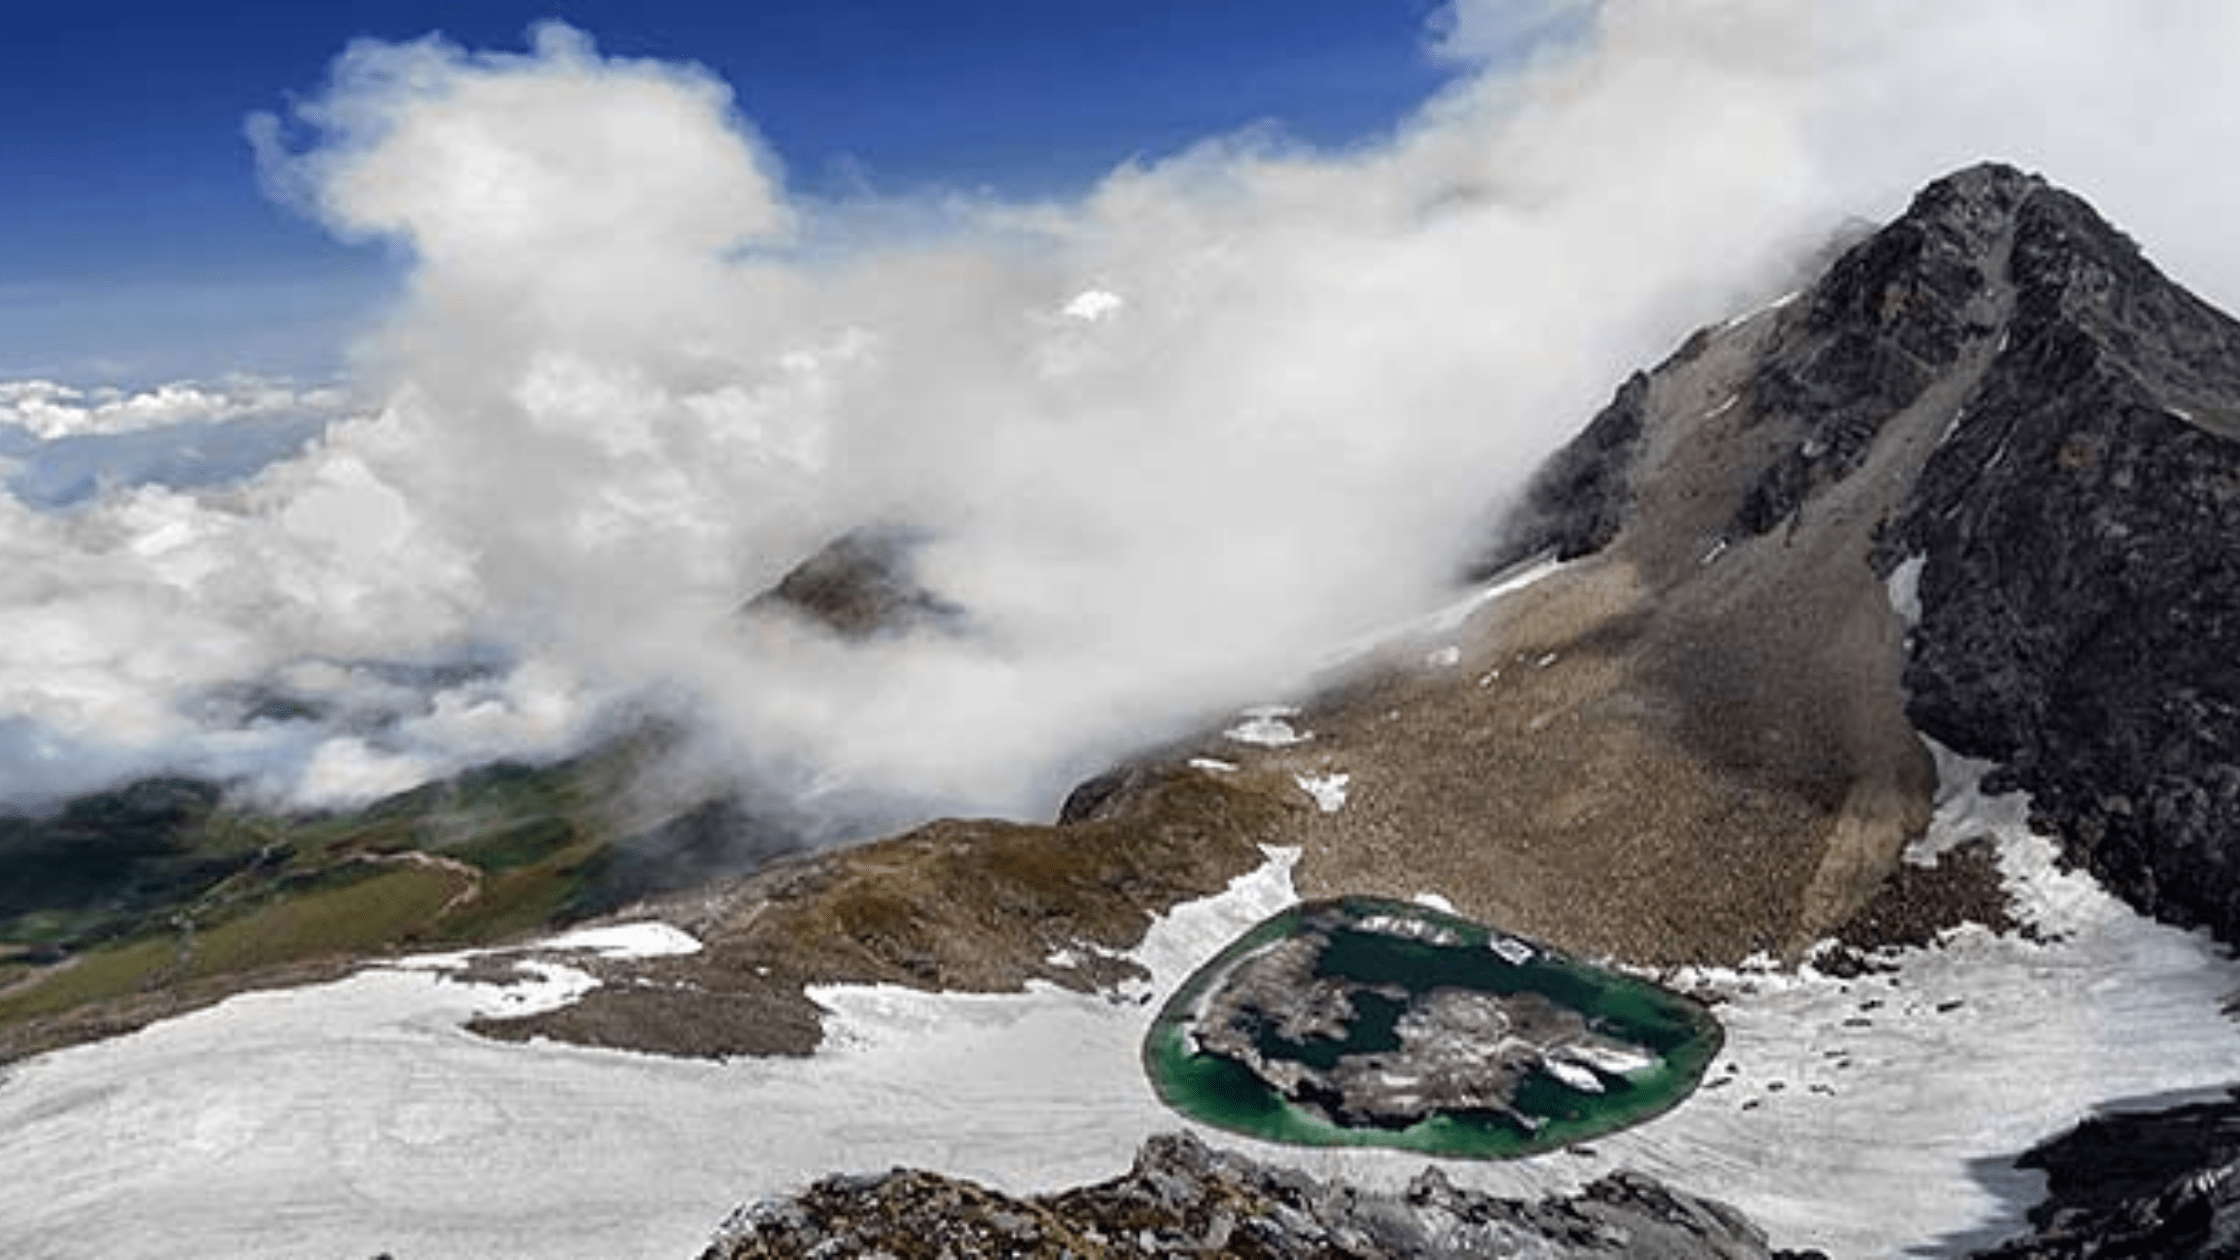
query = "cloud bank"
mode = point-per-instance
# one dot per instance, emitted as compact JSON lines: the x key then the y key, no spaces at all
{"x":1172,"y":439}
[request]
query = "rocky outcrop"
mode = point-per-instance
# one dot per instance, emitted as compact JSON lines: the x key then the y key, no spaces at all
{"x":2078,"y":534}
{"x":1894,"y":314}
{"x":1182,"y":1198}
{"x":861,"y":584}
{"x":1575,"y":504}
{"x":2038,"y":429}
{"x":2156,"y":1186}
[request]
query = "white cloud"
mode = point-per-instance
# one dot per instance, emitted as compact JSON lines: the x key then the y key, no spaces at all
{"x":618,"y":399}
{"x":49,"y":410}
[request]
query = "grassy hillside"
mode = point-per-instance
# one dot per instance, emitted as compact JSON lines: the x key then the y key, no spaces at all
{"x":162,"y":895}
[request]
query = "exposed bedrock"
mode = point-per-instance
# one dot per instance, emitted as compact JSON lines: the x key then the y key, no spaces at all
{"x":2079,"y":533}
{"x":2155,"y":1186}
{"x":1996,"y":416}
{"x":1182,"y":1198}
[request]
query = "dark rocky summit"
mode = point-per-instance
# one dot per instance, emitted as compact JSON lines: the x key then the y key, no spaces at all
{"x":861,"y":584}
{"x":2080,"y":584}
{"x":1575,"y":504}
{"x":1183,"y":1199}
{"x":2072,"y":536}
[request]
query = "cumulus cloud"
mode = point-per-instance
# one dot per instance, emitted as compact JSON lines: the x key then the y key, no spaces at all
{"x":50,"y":410}
{"x":1170,"y":439}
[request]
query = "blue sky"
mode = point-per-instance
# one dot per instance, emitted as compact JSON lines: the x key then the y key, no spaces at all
{"x":135,"y":243}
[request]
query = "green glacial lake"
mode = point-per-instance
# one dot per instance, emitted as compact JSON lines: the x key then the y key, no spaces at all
{"x":1368,"y":1022}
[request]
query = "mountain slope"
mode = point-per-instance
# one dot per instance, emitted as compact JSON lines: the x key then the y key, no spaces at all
{"x":1972,"y":483}
{"x":1694,"y":739}
{"x":1975,"y":483}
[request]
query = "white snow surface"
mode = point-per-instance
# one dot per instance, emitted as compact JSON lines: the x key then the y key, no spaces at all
{"x":1904,"y":585}
{"x":1328,"y":790}
{"x":357,"y":1117}
{"x":628,"y":940}
{"x":1269,"y":726}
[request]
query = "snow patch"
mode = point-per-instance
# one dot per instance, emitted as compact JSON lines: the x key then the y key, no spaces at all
{"x":1739,"y":320}
{"x":1904,"y":585}
{"x":1952,"y":426}
{"x":1879,"y":1115}
{"x":628,"y":940}
{"x":1328,"y":790}
{"x":1213,"y":764}
{"x":1444,"y":658}
{"x":1613,"y":1059}
{"x":1445,"y":621}
{"x":1268,"y":726}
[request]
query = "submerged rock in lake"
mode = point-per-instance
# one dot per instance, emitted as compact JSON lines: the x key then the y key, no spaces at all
{"x":1363,"y":1021}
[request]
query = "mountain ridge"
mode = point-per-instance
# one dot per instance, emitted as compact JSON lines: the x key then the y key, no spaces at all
{"x":1977,"y":483}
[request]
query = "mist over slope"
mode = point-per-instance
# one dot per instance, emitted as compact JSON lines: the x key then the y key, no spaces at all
{"x":1169,"y":441}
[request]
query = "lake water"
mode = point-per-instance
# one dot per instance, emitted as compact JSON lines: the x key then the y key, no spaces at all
{"x":1400,"y":946}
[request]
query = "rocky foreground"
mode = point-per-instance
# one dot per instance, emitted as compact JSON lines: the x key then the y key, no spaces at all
{"x":1182,"y":1198}
{"x":2153,"y":1185}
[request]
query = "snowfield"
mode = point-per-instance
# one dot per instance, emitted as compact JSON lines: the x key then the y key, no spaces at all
{"x":1869,"y":1117}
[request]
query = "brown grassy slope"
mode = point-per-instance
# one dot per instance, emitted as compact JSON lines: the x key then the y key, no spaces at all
{"x":1672,"y":751}
{"x":976,"y":905}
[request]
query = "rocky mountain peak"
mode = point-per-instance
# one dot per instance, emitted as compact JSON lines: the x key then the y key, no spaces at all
{"x":1891,"y":316}
{"x":1998,"y":403}
{"x":2087,"y":296}
{"x":862,"y":584}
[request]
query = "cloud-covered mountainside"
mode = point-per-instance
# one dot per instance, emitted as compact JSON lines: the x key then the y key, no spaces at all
{"x":673,"y":518}
{"x":1691,"y":740}
{"x":1892,"y":505}
{"x":1167,"y":441}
